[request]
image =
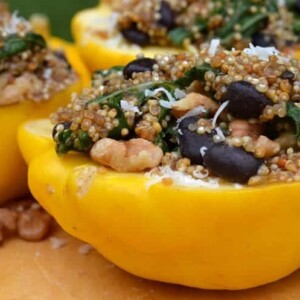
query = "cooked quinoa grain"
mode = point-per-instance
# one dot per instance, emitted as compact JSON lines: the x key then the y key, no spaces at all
{"x":231,"y":114}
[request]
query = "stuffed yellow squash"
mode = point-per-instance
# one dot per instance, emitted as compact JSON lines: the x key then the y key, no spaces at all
{"x":183,"y":168}
{"x":112,"y":34}
{"x":34,"y":80}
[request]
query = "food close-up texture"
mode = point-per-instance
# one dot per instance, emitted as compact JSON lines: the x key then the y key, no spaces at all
{"x":153,"y":147}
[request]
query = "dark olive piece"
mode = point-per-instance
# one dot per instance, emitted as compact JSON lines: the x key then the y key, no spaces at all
{"x":137,"y":66}
{"x":287,"y":75}
{"x":135,"y":36}
{"x":190,"y":142}
{"x":263,"y":40}
{"x":231,"y":163}
{"x":245,"y":101}
{"x":168,"y":16}
{"x":66,"y":125}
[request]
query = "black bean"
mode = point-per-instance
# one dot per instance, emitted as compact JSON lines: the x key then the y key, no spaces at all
{"x":168,"y":16}
{"x":191,"y":142}
{"x":245,"y":101}
{"x":231,"y":163}
{"x":66,"y":125}
{"x":137,"y":66}
{"x":135,"y":36}
{"x":287,"y":75}
{"x":263,"y":40}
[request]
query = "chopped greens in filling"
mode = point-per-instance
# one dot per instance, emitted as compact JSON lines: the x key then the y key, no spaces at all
{"x":232,"y":115}
{"x":235,"y":23}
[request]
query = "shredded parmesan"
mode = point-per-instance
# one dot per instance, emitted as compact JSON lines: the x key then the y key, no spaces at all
{"x":128,"y":107}
{"x":220,"y":134}
{"x":218,"y":112}
{"x":14,"y":23}
{"x":149,"y":93}
{"x":262,"y":53}
{"x":165,"y":104}
{"x":203,"y":150}
{"x":180,"y":179}
{"x":193,"y":112}
{"x":179,"y":94}
{"x":214,"y":44}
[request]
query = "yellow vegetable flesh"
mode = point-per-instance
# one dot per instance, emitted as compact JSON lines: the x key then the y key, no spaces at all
{"x":227,"y":238}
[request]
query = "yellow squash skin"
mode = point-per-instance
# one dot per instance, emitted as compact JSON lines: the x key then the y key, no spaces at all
{"x":92,"y":45}
{"x":214,"y":239}
{"x":13,"y":171}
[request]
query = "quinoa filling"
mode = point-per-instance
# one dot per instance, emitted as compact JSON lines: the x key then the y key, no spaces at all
{"x":28,"y":69}
{"x":234,"y":115}
{"x":181,"y":23}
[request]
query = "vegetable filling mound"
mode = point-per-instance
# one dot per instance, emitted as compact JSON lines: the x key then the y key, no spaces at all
{"x":233,"y":116}
{"x":28,"y":69}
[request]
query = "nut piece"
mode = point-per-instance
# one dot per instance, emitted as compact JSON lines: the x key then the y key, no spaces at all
{"x":241,"y":128}
{"x":134,"y":155}
{"x":192,"y":100}
{"x":33,"y":225}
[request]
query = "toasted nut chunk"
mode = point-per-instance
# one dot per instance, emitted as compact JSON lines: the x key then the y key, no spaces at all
{"x":134,"y":155}
{"x":193,"y":100}
{"x":241,"y":128}
{"x":33,"y":225}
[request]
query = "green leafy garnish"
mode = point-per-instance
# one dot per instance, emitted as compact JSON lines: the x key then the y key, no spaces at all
{"x":15,"y":44}
{"x":293,"y":112}
{"x":179,"y":35}
{"x":196,"y":73}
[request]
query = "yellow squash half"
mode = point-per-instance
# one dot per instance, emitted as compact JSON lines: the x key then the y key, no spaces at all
{"x":227,"y":238}
{"x":13,"y":171}
{"x":90,"y":29}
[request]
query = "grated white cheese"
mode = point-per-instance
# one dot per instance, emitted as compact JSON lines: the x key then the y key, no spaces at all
{"x":193,"y":112}
{"x":218,"y":112}
{"x":47,"y":74}
{"x":220,"y":134}
{"x":165,"y":104}
{"x":203,"y":150}
{"x":14,"y":23}
{"x":149,"y":93}
{"x":112,"y":24}
{"x":180,"y":179}
{"x":262,"y":53}
{"x":128,"y":107}
{"x":179,"y":94}
{"x":213,"y":47}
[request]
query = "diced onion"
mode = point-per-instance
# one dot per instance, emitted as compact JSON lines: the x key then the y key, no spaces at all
{"x":214,"y":44}
{"x":128,"y":107}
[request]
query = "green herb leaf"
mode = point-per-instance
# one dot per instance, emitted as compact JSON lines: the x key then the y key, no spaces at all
{"x":15,"y":44}
{"x":178,"y":35}
{"x":293,"y":112}
{"x":196,"y":73}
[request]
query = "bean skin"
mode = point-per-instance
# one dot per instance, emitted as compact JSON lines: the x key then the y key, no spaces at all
{"x":231,"y":163}
{"x":135,"y":36}
{"x":245,"y":101}
{"x":191,"y":142}
{"x":137,"y":66}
